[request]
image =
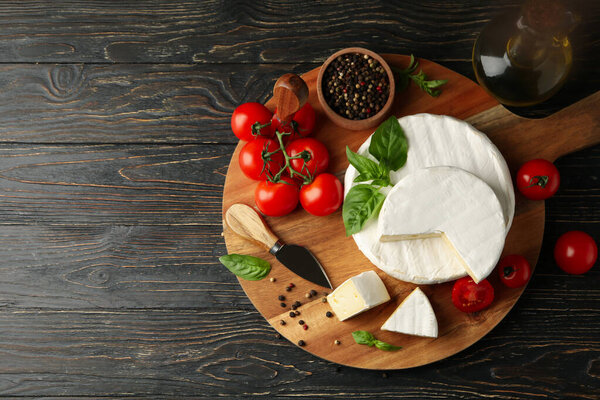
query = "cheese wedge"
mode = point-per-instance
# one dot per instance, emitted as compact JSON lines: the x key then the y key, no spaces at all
{"x":358,"y":294}
{"x":414,"y":316}
{"x":434,"y":140}
{"x":450,"y":203}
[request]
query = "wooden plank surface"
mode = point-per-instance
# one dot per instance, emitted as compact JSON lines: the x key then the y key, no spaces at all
{"x":108,"y":289}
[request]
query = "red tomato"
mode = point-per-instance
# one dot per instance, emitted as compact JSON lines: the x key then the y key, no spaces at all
{"x":248,"y":114}
{"x":315,"y":157}
{"x":538,"y":179}
{"x":514,"y":270}
{"x":303,"y":122}
{"x":469,"y":296}
{"x":254,"y":162}
{"x":575,"y":252}
{"x":323,"y":196}
{"x":276,"y":199}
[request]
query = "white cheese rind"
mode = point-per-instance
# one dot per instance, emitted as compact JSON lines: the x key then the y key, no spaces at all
{"x":414,"y":316}
{"x":434,"y":140}
{"x":451,"y":203}
{"x":358,"y":294}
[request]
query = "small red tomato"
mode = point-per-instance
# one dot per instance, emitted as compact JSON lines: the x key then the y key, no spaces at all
{"x":276,"y":199}
{"x":575,"y":252}
{"x":255,"y":162}
{"x":248,"y":114}
{"x":514,"y":270}
{"x":314,"y":156}
{"x":323,"y":195}
{"x":469,"y":296}
{"x":538,"y":179}
{"x":302,"y":125}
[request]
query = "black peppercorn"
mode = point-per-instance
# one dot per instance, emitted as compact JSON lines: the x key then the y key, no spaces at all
{"x":281,"y":297}
{"x":292,"y":314}
{"x":301,"y":342}
{"x":282,"y":304}
{"x":288,"y":289}
{"x":313,"y":292}
{"x":329,"y":314}
{"x":282,"y":322}
{"x":301,"y":322}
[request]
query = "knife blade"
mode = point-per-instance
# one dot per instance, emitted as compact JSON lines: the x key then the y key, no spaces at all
{"x":247,"y":223}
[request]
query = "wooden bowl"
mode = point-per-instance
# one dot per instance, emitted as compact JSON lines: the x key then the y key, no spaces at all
{"x":356,"y":124}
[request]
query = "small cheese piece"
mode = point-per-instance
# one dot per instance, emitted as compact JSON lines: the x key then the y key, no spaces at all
{"x":414,"y":316}
{"x":358,"y":294}
{"x":450,"y":203}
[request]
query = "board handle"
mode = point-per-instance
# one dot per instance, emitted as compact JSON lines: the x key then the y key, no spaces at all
{"x":290,"y":93}
{"x":246,"y":222}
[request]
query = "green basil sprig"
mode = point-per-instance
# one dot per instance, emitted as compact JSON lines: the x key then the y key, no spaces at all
{"x":363,"y":202}
{"x":367,"y":338}
{"x":420,"y":79}
{"x":246,"y":267}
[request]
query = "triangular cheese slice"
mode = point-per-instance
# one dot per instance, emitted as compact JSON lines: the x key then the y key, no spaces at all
{"x":414,"y":316}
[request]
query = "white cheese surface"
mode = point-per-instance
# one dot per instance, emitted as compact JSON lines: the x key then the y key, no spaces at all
{"x":450,"y":203}
{"x":358,"y":294}
{"x":434,"y":140}
{"x":414,"y":316}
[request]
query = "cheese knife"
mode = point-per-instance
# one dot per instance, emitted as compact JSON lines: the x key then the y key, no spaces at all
{"x":247,"y":223}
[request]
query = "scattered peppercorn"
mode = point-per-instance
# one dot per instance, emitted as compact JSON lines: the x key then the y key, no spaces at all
{"x":301,"y":343}
{"x":337,"y":342}
{"x":313,"y":292}
{"x":272,"y":279}
{"x":291,"y":285}
{"x":305,"y":327}
{"x":282,"y":304}
{"x":356,"y":86}
{"x":297,"y":312}
{"x":307,"y":295}
{"x":294,"y":307}
{"x":301,"y":322}
{"x":282,"y":322}
{"x":329,"y":314}
{"x":324,"y":300}
{"x":278,"y":336}
{"x":281,"y":297}
{"x":288,"y":289}
{"x":292,"y":314}
{"x":297,"y":303}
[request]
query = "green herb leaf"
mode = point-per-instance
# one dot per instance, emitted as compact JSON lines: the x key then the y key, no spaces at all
{"x":367,"y":338}
{"x":364,"y":337}
{"x":246,"y":267}
{"x":389,"y":144}
{"x":402,"y":74}
{"x":361,"y":203}
{"x":386,"y":346}
{"x":430,"y":87}
{"x":368,"y":169}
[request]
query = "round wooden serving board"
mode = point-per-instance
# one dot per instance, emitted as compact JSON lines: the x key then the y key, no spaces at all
{"x":518,"y":139}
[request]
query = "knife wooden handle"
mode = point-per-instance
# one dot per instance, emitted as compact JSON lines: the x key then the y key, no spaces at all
{"x":246,"y":222}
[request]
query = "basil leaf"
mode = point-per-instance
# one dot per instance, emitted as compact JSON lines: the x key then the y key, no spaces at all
{"x":361,"y":203}
{"x":430,"y":87}
{"x":364,"y":337}
{"x":368,"y":169}
{"x":246,"y":267}
{"x":389,"y":145}
{"x":386,"y":346}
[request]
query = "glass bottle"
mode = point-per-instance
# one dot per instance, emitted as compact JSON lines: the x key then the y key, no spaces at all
{"x":523,"y":57}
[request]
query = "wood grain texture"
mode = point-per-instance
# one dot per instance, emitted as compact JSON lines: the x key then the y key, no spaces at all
{"x":325,"y":238}
{"x":151,"y":71}
{"x":194,"y":353}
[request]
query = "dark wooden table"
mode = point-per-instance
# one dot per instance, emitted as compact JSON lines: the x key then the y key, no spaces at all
{"x":114,"y":145}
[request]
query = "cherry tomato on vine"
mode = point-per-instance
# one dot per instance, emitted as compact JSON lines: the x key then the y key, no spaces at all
{"x":256,"y":164}
{"x":514,"y":270}
{"x":323,"y":195}
{"x":538,"y":179}
{"x":315,"y":157}
{"x":303,"y":122}
{"x":575,"y":252}
{"x":248,"y":114}
{"x":469,"y":296}
{"x":276,"y":199}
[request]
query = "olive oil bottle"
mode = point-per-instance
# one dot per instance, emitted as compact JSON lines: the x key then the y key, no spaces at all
{"x":522,"y":58}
